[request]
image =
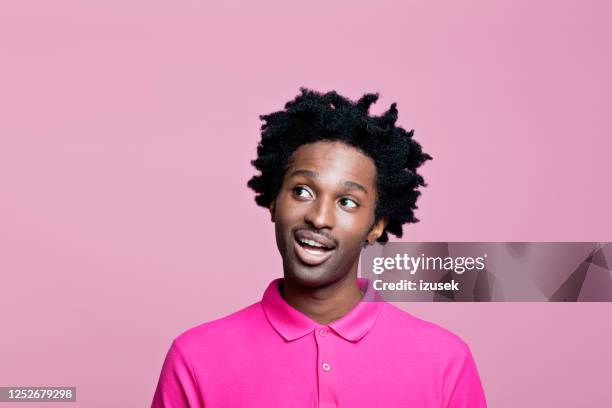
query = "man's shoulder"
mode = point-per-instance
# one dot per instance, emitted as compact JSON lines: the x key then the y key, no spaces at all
{"x":420,"y":332}
{"x":223,"y":329}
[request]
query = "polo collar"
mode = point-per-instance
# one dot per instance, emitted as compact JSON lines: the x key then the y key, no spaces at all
{"x":292,"y":324}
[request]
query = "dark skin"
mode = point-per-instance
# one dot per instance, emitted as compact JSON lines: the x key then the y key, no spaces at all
{"x":328,"y":189}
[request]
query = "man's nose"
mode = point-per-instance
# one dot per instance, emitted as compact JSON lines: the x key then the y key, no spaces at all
{"x":321,"y":213}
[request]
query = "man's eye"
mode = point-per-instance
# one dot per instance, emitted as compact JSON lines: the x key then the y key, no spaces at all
{"x":347,"y":202}
{"x":300,"y":191}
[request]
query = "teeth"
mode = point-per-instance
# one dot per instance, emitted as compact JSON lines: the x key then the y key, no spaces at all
{"x":311,"y":243}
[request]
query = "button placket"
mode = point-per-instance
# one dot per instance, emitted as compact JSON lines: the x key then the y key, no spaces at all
{"x":326,"y":341}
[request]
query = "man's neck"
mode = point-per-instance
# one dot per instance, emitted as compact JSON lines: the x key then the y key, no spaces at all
{"x":325,"y":304}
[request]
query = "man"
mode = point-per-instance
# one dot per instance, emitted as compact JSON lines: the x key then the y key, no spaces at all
{"x":334,"y":179}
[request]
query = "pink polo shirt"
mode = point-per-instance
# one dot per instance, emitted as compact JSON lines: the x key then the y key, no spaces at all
{"x":271,"y":355}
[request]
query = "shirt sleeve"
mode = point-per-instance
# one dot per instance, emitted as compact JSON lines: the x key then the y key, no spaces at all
{"x":177,"y":386}
{"x":465,"y":390}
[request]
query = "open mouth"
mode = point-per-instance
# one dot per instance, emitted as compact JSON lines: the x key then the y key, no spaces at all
{"x":311,"y":248}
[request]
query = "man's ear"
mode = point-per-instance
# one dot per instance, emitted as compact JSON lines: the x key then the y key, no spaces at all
{"x":377,"y":229}
{"x":272,"y":208}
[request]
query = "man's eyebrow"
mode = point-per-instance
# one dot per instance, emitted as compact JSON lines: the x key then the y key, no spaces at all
{"x":354,"y":185}
{"x":315,"y":175}
{"x":307,"y":173}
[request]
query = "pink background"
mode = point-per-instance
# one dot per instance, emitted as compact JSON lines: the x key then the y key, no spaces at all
{"x":126,"y":131}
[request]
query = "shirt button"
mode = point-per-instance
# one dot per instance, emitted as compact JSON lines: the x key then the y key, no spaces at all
{"x":326,"y":367}
{"x":322,"y":332}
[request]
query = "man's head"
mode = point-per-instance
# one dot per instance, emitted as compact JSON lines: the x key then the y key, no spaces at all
{"x":334,"y":178}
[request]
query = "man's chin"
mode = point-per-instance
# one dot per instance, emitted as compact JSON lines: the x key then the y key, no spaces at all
{"x":311,"y":277}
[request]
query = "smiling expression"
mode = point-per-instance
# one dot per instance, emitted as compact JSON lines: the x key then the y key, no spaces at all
{"x":324,"y":212}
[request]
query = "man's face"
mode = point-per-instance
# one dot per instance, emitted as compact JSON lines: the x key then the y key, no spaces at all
{"x":324,"y":212}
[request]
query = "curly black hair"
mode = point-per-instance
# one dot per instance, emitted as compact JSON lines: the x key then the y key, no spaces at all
{"x":312,"y":117}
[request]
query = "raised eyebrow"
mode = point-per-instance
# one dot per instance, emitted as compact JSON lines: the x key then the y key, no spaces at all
{"x":315,"y":175}
{"x":307,"y":173}
{"x":354,"y":185}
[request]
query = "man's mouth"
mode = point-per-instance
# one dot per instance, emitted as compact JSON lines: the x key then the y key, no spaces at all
{"x":312,"y":248}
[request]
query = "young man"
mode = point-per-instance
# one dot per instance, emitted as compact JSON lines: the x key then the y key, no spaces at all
{"x":334,"y":179}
